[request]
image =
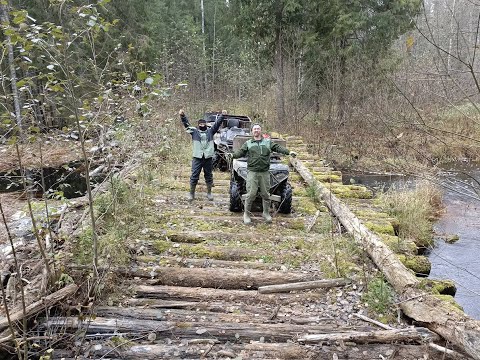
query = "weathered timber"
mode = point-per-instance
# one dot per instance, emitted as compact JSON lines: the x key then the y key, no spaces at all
{"x":239,"y":332}
{"x":433,"y":312}
{"x":178,"y":315}
{"x":229,"y":237}
{"x":259,"y":350}
{"x":212,"y":306}
{"x":305,"y":285}
{"x":410,"y":335}
{"x":188,"y":262}
{"x":40,"y":305}
{"x":220,"y":278}
{"x":199,"y":294}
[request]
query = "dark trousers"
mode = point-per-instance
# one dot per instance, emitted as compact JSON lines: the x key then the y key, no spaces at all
{"x":197,"y":166}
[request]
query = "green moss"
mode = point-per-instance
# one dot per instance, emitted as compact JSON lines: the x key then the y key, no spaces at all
{"x":162,"y":245}
{"x":328,"y":177}
{"x":184,"y":238}
{"x":419,"y":264}
{"x":296,"y":224}
{"x":398,"y":245}
{"x":371,"y":214}
{"x":452,"y":239}
{"x":380,"y":227}
{"x":453,"y":305}
{"x":306,"y":206}
{"x":351,"y":191}
{"x":438,"y":287}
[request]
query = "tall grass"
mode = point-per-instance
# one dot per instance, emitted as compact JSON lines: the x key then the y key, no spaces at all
{"x":415,"y":208}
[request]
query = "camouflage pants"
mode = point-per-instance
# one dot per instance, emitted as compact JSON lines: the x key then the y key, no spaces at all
{"x":257,"y":181}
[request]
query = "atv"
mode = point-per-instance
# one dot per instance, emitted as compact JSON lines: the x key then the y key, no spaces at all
{"x":280,"y":188}
{"x":232,"y":126}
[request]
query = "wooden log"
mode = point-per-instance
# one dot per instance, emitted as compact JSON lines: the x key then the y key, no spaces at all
{"x":219,"y":278}
{"x":212,"y":306}
{"x":305,"y":285}
{"x":178,"y":315}
{"x":199,"y":294}
{"x":410,"y":335}
{"x":40,"y":305}
{"x":238,"y":332}
{"x":214,"y":263}
{"x":258,"y":350}
{"x":436,"y":314}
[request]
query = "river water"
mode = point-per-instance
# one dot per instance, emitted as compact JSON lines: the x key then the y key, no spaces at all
{"x":459,"y":261}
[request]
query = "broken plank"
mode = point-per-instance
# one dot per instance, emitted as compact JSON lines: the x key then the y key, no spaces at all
{"x":305,"y":285}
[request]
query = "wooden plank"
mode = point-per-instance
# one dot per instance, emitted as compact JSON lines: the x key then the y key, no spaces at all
{"x":305,"y":285}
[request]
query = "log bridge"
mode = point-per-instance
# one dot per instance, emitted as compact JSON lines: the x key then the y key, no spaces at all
{"x":203,"y":285}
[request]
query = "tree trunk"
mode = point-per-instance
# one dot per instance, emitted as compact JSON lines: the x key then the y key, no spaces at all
{"x":437,"y":315}
{"x":4,"y":18}
{"x":280,"y":76}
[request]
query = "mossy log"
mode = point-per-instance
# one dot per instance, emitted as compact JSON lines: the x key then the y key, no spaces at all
{"x":437,"y":315}
{"x":190,"y":262}
{"x":220,"y":278}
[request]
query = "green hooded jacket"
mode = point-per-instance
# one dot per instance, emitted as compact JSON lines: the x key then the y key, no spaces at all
{"x":258,"y":153}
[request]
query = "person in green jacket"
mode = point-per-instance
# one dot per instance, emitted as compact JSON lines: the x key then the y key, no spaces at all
{"x":258,"y":150}
{"x":203,"y":150}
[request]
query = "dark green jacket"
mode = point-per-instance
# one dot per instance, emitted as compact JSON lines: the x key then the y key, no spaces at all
{"x":258,"y":153}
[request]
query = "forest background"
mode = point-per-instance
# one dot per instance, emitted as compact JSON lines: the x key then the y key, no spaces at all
{"x":388,"y":85}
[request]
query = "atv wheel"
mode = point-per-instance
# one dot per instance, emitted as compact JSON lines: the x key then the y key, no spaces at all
{"x":286,"y":202}
{"x":235,"y":197}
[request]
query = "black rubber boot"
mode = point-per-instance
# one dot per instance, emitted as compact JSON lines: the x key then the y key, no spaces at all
{"x":209,"y":192}
{"x":191,"y":194}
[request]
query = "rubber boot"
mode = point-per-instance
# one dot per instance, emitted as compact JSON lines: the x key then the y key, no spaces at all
{"x":209,"y":192}
{"x":191,"y":194}
{"x":266,"y":211}
{"x":246,"y":214}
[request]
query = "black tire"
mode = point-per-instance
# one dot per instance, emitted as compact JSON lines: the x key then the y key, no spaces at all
{"x":235,"y":197}
{"x":286,"y":199}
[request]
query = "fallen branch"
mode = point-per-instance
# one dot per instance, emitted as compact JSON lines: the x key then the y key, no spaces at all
{"x":40,"y":305}
{"x":378,"y":323}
